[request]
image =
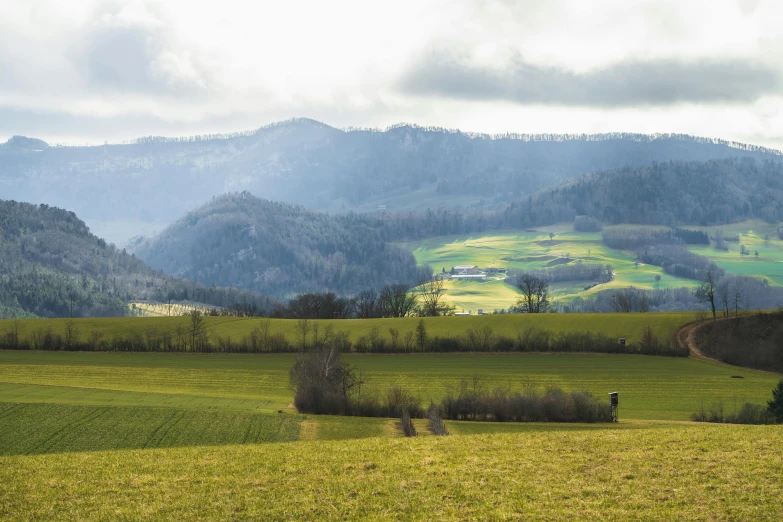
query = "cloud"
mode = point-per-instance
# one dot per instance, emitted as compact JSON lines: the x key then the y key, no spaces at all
{"x":129,"y":48}
{"x":623,"y":84}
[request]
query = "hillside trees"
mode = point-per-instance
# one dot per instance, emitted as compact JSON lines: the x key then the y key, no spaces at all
{"x":52,"y":266}
{"x":280,"y":249}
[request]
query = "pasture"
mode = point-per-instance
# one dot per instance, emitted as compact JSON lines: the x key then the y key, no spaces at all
{"x":667,"y":472}
{"x":534,"y":249}
{"x":630,"y":326}
{"x":662,"y":388}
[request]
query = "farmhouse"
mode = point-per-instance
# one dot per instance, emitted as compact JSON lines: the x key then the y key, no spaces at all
{"x":467,"y":272}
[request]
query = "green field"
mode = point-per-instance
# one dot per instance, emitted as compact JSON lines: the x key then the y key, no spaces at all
{"x":197,"y":436}
{"x":533,"y":249}
{"x":630,"y":326}
{"x":685,"y":472}
{"x":663,"y":388}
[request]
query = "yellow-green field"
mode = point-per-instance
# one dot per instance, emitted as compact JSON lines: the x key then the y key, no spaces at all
{"x":535,"y":250}
{"x":662,"y":388}
{"x":630,"y":326}
{"x":673,"y":472}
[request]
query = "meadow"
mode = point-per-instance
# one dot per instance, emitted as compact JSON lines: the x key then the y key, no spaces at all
{"x":691,"y":472}
{"x":662,"y":388}
{"x":534,"y":249}
{"x":631,"y":326}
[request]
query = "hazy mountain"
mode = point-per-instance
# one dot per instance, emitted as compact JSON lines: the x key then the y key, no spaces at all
{"x":50,"y":263}
{"x":278,"y":249}
{"x":666,"y":193}
{"x":129,"y":189}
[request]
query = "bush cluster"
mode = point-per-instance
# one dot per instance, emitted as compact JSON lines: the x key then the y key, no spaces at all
{"x":473,"y":401}
{"x":324,"y":384}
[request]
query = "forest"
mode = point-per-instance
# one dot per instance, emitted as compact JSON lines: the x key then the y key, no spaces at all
{"x":279,"y":249}
{"x":52,"y":266}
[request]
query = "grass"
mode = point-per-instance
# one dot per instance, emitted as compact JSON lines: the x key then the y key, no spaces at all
{"x":630,"y":326}
{"x":650,"y":387}
{"x":690,"y":472}
{"x":55,"y":428}
{"x":533,"y":249}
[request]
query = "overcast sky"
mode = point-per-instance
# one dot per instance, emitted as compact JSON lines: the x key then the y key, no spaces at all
{"x":88,"y":71}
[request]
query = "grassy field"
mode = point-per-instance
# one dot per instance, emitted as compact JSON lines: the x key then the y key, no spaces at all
{"x":534,"y":249}
{"x":55,"y":428}
{"x":661,"y":388}
{"x":630,"y":326}
{"x":689,"y":472}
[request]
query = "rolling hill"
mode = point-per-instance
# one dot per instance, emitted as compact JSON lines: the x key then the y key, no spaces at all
{"x":278,"y":249}
{"x":51,"y":265}
{"x":122,"y":190}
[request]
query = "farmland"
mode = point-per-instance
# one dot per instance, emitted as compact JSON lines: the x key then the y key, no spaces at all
{"x":664,"y":473}
{"x":630,"y":326}
{"x":663,"y":388}
{"x":534,"y":249}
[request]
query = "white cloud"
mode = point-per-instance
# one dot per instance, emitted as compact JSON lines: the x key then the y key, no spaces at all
{"x":95,"y":70}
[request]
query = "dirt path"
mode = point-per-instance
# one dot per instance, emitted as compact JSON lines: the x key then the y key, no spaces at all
{"x":686,"y":338}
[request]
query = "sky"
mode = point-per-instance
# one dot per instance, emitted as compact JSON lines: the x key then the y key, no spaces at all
{"x":89,"y":71}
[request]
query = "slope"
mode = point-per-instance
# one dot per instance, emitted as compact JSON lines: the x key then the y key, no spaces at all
{"x":51,"y":265}
{"x":276,"y":248}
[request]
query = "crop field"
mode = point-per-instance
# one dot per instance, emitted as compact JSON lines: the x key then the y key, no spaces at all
{"x":534,"y":249}
{"x":630,"y":326}
{"x":55,"y":428}
{"x":663,"y":388}
{"x":690,"y":472}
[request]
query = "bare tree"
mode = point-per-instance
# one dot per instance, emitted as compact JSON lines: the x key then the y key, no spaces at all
{"x":71,"y":334}
{"x":643,"y":306}
{"x":534,"y":294}
{"x":622,"y":302}
{"x":366,"y":304}
{"x":198,"y":330}
{"x":303,"y":329}
{"x":706,"y":291}
{"x":14,"y":333}
{"x":431,"y":297}
{"x":737,"y":298}
{"x":723,"y":297}
{"x":397,"y":301}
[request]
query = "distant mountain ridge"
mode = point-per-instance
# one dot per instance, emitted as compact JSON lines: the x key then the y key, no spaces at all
{"x":157,"y":180}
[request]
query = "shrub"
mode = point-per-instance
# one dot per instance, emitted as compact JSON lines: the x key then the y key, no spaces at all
{"x":471,"y":401}
{"x":748,"y":414}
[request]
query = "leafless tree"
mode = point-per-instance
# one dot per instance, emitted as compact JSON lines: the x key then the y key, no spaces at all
{"x":71,"y":334}
{"x":431,"y":298}
{"x":198,"y":330}
{"x":706,"y":291}
{"x":366,"y":304}
{"x":737,"y":298}
{"x":303,"y":329}
{"x":534,"y":294}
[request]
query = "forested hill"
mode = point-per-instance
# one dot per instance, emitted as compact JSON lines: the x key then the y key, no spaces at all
{"x":50,"y":263}
{"x":665,"y":193}
{"x":278,"y":249}
{"x":305,"y":162}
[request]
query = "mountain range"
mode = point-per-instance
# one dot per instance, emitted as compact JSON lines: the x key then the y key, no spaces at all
{"x":122,"y":190}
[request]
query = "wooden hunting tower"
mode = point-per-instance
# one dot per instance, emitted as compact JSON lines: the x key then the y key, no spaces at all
{"x":613,"y":402}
